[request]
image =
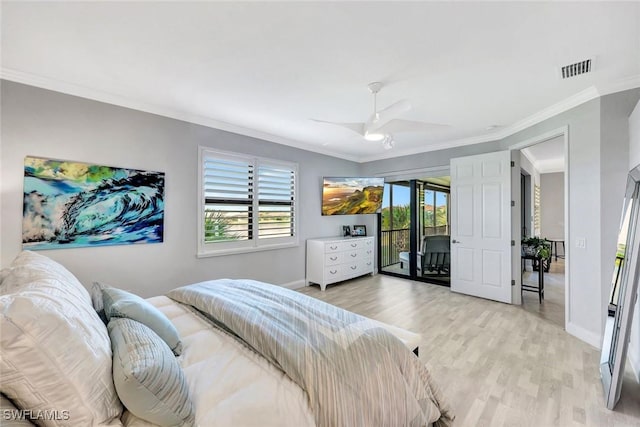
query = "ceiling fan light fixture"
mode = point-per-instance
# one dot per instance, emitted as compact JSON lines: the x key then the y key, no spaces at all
{"x":388,"y":142}
{"x":374,"y":136}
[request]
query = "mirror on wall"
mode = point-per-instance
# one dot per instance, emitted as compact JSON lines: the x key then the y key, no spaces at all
{"x":622,"y":298}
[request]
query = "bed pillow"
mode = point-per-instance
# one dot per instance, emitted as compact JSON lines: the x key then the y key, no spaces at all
{"x":97,"y":301}
{"x":119,"y":303}
{"x":55,"y":354}
{"x":29,"y":268}
{"x":147,"y":377}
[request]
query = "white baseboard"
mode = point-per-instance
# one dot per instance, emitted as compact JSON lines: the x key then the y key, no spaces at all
{"x":296,"y":284}
{"x":585,"y":335}
{"x":635,"y":367}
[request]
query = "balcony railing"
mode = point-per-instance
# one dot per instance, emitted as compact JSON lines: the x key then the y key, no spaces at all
{"x":391,"y":244}
{"x":395,"y":241}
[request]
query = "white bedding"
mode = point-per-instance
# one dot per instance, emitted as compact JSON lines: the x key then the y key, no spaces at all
{"x":230,"y":385}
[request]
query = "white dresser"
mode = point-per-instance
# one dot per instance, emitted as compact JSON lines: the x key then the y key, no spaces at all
{"x":333,"y":259}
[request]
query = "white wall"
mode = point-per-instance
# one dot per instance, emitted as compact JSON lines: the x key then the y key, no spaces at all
{"x":49,"y":124}
{"x":552,"y":205}
{"x":634,"y":160}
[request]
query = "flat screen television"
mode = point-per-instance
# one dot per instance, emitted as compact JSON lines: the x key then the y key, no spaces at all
{"x":351,"y":196}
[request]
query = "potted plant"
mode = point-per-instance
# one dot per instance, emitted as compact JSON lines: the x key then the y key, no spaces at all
{"x":539,"y":247}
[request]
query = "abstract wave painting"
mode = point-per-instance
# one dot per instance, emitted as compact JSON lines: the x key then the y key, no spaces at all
{"x":70,"y":204}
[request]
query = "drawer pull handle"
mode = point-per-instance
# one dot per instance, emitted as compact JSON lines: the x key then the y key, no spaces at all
{"x":354,"y":255}
{"x":354,"y":245}
{"x":353,"y":267}
{"x":333,"y":258}
{"x":333,"y":271}
{"x":333,"y":248}
{"x":369,"y":263}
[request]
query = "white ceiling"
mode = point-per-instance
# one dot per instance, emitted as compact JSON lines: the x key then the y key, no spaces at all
{"x":266,"y":69}
{"x":548,"y":156}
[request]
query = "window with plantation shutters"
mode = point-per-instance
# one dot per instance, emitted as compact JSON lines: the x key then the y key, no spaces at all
{"x":248,"y":203}
{"x":276,"y":199}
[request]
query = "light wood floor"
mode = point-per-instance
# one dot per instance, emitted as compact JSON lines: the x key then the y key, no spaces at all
{"x":552,"y":309}
{"x":499,"y":365}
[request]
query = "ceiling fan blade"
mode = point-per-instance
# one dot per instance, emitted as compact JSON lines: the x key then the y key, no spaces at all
{"x":382,"y":117}
{"x":355,"y":127}
{"x":400,"y":125}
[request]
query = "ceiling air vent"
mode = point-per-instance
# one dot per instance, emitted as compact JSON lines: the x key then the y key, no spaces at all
{"x":577,"y":68}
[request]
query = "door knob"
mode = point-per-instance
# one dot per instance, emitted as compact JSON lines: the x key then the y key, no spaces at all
{"x":455,"y":241}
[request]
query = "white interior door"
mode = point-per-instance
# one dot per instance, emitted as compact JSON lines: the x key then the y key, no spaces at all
{"x":481,"y":225}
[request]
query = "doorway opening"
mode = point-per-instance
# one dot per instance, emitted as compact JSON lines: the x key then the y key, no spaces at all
{"x":543,"y":215}
{"x":414,"y":230}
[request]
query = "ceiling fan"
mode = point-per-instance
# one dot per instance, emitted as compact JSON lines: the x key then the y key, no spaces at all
{"x":382,"y":124}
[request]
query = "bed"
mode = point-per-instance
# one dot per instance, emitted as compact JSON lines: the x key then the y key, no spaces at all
{"x":231,"y":365}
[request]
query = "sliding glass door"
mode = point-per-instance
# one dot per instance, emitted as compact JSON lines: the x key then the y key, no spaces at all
{"x":434,"y":255}
{"x":414,"y":231}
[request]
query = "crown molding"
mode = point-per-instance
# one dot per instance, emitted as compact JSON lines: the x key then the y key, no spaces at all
{"x":525,"y":152}
{"x":551,"y":111}
{"x":542,"y":115}
{"x":544,"y":166}
{"x":550,"y":165}
{"x":627,"y":83}
{"x":440,"y":145}
{"x":121,"y":101}
{"x":106,"y":97}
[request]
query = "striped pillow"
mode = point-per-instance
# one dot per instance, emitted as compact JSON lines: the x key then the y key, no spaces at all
{"x":147,"y":376}
{"x":119,"y":303}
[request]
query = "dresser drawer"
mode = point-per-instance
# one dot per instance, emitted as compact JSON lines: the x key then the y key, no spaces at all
{"x":353,"y":269}
{"x":331,"y":247}
{"x":333,"y":258}
{"x":334,"y":273}
{"x":353,"y":245}
{"x":354,"y":256}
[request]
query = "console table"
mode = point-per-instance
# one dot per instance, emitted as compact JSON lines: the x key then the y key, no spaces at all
{"x":554,"y":247}
{"x":540,"y":288}
{"x":334,"y":259}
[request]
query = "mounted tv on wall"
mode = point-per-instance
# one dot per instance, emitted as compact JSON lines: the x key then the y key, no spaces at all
{"x":351,"y":196}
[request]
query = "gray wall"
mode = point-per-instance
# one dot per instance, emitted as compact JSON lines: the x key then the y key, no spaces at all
{"x":582,"y":302}
{"x":552,"y":205}
{"x":614,"y":153}
{"x":49,"y":124}
{"x":596,"y":127}
{"x":431,"y":159}
{"x":587,"y":294}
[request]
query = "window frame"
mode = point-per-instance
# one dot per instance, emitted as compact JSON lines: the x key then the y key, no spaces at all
{"x":255,"y":243}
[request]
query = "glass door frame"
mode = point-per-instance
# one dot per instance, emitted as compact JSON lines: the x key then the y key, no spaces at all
{"x":416,"y":187}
